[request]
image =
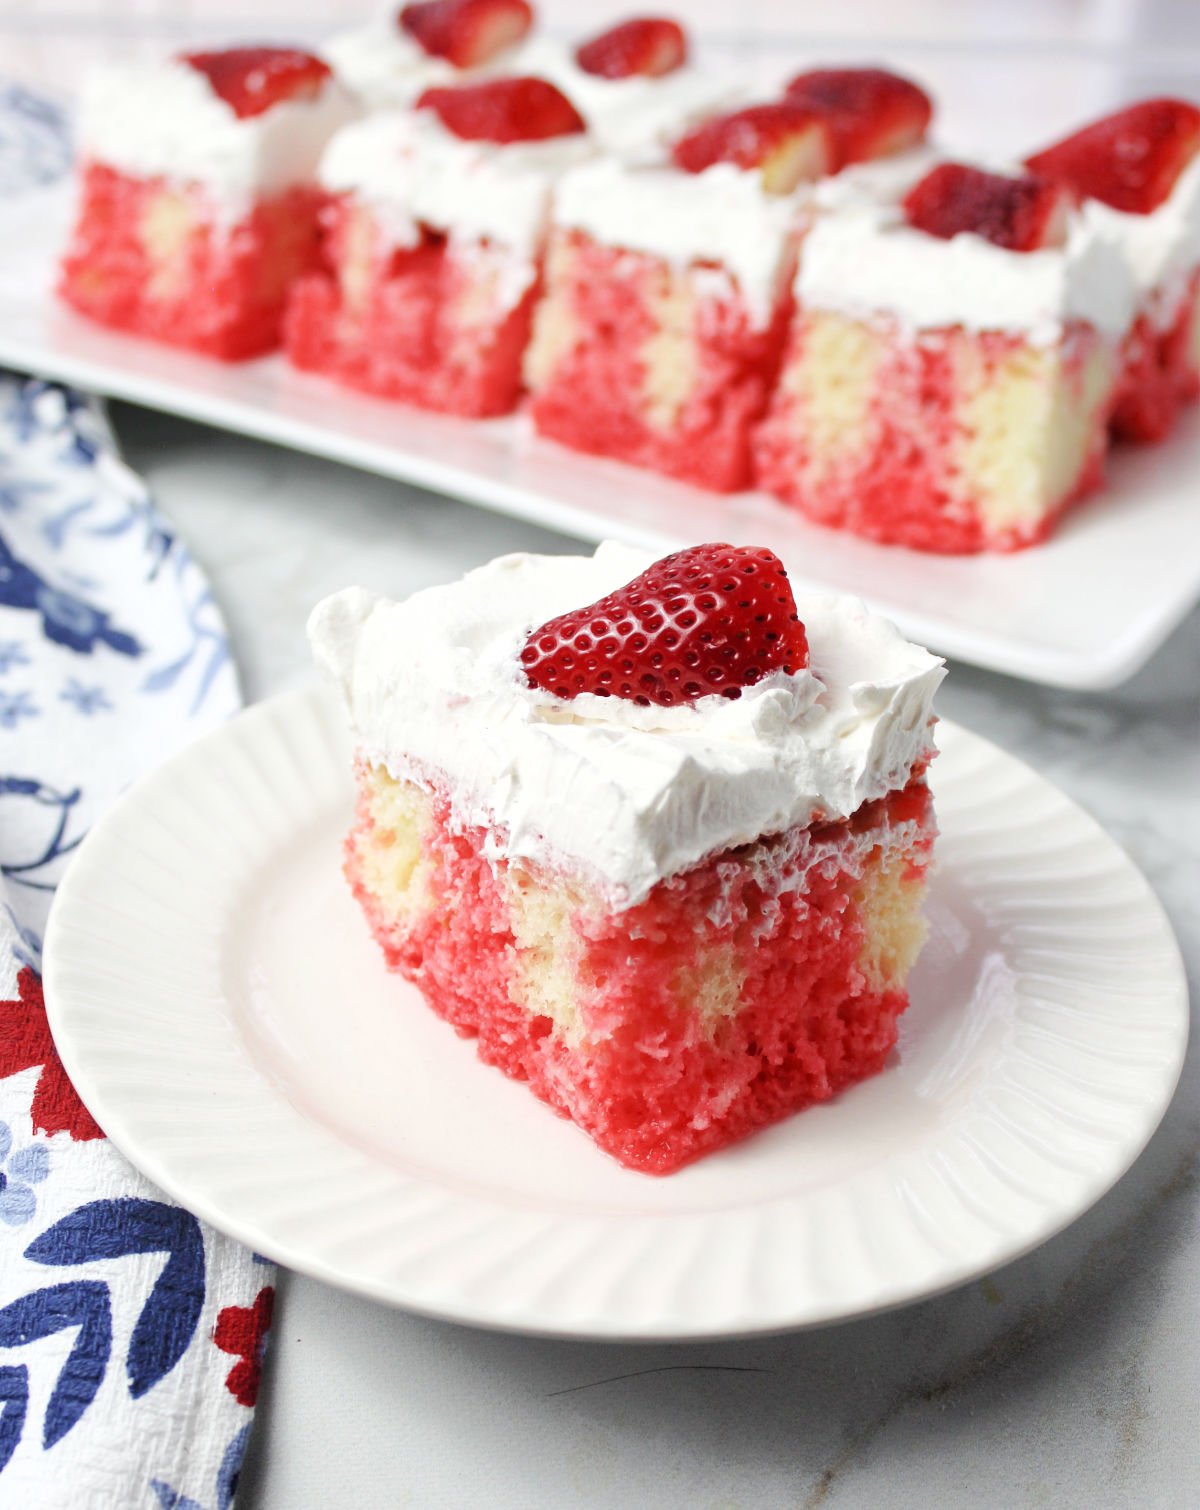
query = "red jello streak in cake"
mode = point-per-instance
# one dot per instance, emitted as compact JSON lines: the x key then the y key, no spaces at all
{"x":395,"y":320}
{"x":1160,"y":371}
{"x":650,"y":1078}
{"x":692,"y":417}
{"x":903,"y":483}
{"x":158,"y":259}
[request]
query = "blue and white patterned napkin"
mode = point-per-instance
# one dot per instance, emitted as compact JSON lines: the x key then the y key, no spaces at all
{"x":131,"y":1337}
{"x":35,"y":141}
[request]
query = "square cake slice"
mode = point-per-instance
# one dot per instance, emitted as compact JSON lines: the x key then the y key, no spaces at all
{"x":198,"y":202}
{"x":952,"y":364}
{"x":434,"y":241}
{"x":652,"y":833}
{"x":1138,"y":172}
{"x":667,"y":296}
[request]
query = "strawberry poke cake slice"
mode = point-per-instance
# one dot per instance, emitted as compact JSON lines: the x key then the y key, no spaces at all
{"x":635,"y":84}
{"x":407,"y":49}
{"x":198,"y":203}
{"x":1139,"y":172}
{"x":952,"y":365}
{"x":667,"y":296}
{"x":654,"y":834}
{"x":435,"y":234}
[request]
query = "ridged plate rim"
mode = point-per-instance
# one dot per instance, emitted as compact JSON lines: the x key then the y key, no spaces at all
{"x":143,"y":1035}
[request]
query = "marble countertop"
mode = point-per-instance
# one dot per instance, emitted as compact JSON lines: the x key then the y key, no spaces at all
{"x":1068,"y":1378}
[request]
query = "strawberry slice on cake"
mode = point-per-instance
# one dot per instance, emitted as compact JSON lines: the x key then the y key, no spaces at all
{"x":1139,"y":172}
{"x":952,"y":364}
{"x":634,"y":84}
{"x":646,"y":47}
{"x":707,"y":620}
{"x":402,"y":52}
{"x":667,"y":296}
{"x":198,"y":203}
{"x":871,"y":113}
{"x":467,"y":33}
{"x":505,"y":111}
{"x":1020,"y":214}
{"x":784,"y":143}
{"x":435,"y":234}
{"x":635,"y":828}
{"x":253,"y":79}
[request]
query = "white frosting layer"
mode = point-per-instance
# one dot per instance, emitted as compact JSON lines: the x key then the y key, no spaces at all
{"x":162,"y":119}
{"x":631,"y":795}
{"x":410,"y":171}
{"x":1162,"y":248}
{"x":885,"y":181}
{"x":866,"y":261}
{"x":384,"y":66}
{"x":721,"y":216}
{"x":637,"y":113}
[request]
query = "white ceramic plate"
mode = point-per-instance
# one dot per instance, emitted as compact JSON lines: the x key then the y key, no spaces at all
{"x":1083,"y":611}
{"x":219,"y":1004}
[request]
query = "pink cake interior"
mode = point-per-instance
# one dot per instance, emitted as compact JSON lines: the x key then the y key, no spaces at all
{"x":765,"y":979}
{"x":1161,"y":370}
{"x":158,"y":260}
{"x":428,"y":324}
{"x":949,"y":441}
{"x":658,"y":366}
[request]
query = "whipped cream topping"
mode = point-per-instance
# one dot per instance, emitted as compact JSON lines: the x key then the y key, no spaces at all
{"x":634,"y":114}
{"x":1160,"y":249}
{"x":384,"y":66}
{"x":886,"y":180}
{"x":866,"y":261}
{"x":163,"y":119}
{"x":629,"y":795}
{"x":722,"y":216}
{"x":411,"y":171}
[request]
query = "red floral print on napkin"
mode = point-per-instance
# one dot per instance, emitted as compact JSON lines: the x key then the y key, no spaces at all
{"x":25,"y":1041}
{"x":243,"y":1330}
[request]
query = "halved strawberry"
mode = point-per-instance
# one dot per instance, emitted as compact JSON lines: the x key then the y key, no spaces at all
{"x":871,"y":112}
{"x":1131,"y":159}
{"x":649,"y":45}
{"x":1019,"y":214}
{"x":712,"y":619}
{"x":787,"y":143}
{"x":466,"y":32}
{"x":504,"y":110}
{"x":252,"y":79}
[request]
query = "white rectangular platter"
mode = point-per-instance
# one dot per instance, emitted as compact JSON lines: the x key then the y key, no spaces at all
{"x":1083,"y":611}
